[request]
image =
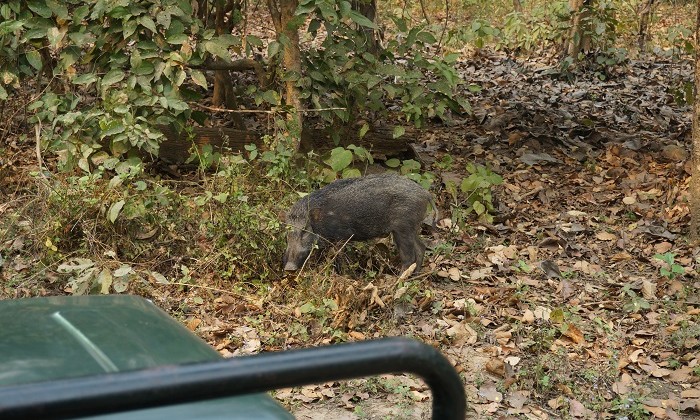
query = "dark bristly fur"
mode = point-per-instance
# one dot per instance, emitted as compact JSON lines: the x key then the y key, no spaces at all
{"x":359,"y":209}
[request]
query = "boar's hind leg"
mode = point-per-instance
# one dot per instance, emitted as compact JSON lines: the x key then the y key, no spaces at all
{"x":411,"y":248}
{"x":419,"y":247}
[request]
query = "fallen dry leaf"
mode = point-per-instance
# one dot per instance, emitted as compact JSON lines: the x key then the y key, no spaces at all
{"x":517,"y":399}
{"x":193,"y":323}
{"x":460,"y":333}
{"x":573,"y":333}
{"x":606,"y":236}
{"x":356,"y":335}
{"x":690,"y":393}
{"x":489,"y":392}
{"x":648,"y":290}
{"x":496,"y":367}
{"x":576,"y":409}
{"x":623,"y":385}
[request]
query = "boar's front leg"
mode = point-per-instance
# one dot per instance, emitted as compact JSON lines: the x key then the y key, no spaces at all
{"x":411,"y":248}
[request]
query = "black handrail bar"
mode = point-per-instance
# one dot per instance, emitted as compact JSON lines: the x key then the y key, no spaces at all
{"x":119,"y":392}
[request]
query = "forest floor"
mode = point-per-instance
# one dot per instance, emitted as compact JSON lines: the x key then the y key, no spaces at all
{"x":562,"y":307}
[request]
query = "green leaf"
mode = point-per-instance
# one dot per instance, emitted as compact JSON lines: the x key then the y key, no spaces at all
{"x":471,"y":183}
{"x":85,"y":79}
{"x":114,"y":210}
{"x":34,"y":59}
{"x":400,"y":24}
{"x":39,"y":7}
{"x":426,"y":37}
{"x":271,"y":97}
{"x":557,"y":315}
{"x":75,"y":265}
{"x":307,"y":308}
{"x":147,"y":23}
{"x":409,"y":165}
{"x":112,"y":77}
{"x":10,"y":26}
{"x":218,"y":49}
{"x":398,"y":131}
{"x":393,"y":163}
{"x":84,"y":164}
{"x":164,"y":19}
{"x":198,"y":78}
{"x":3,"y":93}
{"x":143,"y":69}
{"x":340,"y":159}
{"x":110,"y":128}
{"x":129,"y":28}
{"x":351,"y":173}
{"x":362,"y":20}
{"x":5,"y":13}
{"x":159,"y":278}
{"x":59,"y":10}
{"x":364,"y":129}
{"x":314,"y":26}
{"x":328,"y":12}
{"x":54,"y":36}
{"x":305,"y":8}
{"x":478,"y":207}
{"x":344,"y":7}
{"x":177,"y":39}
{"x":81,"y":284}
{"x":254,"y":41}
{"x":80,"y":13}
{"x":121,"y":283}
{"x":273,"y":48}
{"x":221,"y":198}
{"x":177,"y":104}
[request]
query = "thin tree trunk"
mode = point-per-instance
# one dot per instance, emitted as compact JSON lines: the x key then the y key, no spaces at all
{"x":220,"y":76}
{"x":694,"y":193}
{"x":578,"y":31}
{"x":282,"y":12}
{"x":644,"y":17}
{"x":368,"y":8}
{"x":517,"y":6}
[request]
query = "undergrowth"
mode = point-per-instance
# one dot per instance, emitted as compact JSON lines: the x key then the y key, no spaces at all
{"x":164,"y":231}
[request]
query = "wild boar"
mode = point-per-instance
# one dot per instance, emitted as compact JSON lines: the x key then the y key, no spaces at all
{"x":359,"y":209}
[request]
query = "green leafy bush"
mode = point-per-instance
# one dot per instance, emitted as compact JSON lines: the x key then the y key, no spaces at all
{"x":473,"y":194}
{"x":347,"y":79}
{"x":110,"y":70}
{"x":545,"y":25}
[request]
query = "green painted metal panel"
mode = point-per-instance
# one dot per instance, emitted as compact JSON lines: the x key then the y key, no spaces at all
{"x":43,"y":339}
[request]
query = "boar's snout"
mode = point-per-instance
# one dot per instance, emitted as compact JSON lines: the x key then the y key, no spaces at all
{"x":299,"y":244}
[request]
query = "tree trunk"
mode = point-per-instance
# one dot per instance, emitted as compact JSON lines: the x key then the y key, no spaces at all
{"x":380,"y":141}
{"x":368,"y":8}
{"x":282,"y":12}
{"x":220,"y":76}
{"x":517,"y":6}
{"x":644,"y":16}
{"x":694,"y":191}
{"x":578,"y":33}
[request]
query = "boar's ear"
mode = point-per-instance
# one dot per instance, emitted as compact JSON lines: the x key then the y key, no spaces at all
{"x":315,"y":214}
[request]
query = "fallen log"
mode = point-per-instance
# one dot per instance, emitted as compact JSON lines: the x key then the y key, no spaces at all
{"x":176,"y":147}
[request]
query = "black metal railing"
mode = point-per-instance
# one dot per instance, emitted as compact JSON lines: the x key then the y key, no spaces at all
{"x":169,"y":385}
